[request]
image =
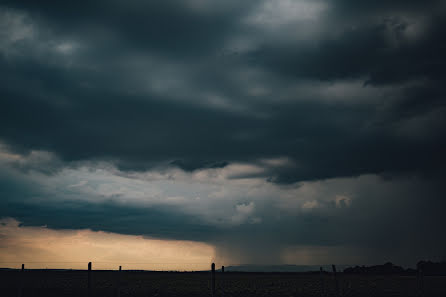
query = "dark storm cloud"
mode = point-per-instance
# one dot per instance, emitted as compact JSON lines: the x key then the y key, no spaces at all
{"x":111,"y":218}
{"x":170,"y":27}
{"x":395,"y":217}
{"x":379,"y":53}
{"x":137,"y":132}
{"x":56,"y":112}
{"x":26,"y":201}
{"x":350,"y":7}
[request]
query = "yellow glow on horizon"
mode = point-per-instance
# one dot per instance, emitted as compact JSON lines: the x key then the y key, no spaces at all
{"x":41,"y":247}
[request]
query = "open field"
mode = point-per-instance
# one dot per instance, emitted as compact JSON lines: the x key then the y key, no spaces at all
{"x":104,"y":283}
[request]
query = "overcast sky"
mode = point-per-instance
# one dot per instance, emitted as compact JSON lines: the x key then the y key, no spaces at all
{"x":267,"y":131}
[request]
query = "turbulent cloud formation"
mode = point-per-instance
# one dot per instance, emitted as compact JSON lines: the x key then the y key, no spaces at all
{"x":261,"y":127}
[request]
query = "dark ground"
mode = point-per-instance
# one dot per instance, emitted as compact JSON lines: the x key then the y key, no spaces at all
{"x":74,"y":283}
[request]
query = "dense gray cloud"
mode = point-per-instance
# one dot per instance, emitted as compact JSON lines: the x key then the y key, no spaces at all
{"x":106,"y":97}
{"x":250,"y":220}
{"x":276,"y":92}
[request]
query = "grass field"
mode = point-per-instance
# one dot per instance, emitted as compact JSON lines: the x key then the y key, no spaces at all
{"x":74,"y":283}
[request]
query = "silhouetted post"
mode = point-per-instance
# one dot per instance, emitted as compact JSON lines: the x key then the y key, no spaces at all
{"x":118,"y":283}
{"x":21,"y":281}
{"x":220,"y":283}
{"x":213,"y":279}
{"x":89,"y":280}
{"x":336,"y":280}
{"x":420,"y":277}
{"x":321,"y":275}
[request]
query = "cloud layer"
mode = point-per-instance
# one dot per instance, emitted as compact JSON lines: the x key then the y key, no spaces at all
{"x":278,"y":125}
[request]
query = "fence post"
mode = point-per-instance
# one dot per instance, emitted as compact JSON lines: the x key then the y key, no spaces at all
{"x":89,"y":280}
{"x":336,"y":280}
{"x":321,"y":275}
{"x":420,"y":274}
{"x":221,"y":282}
{"x":21,"y":281}
{"x":118,"y":283}
{"x":213,"y":279}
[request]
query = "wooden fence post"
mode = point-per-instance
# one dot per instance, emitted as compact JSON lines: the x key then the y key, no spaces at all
{"x":420,"y":277}
{"x":213,"y":279}
{"x":89,"y":280}
{"x":321,"y":275}
{"x":21,"y":281}
{"x":220,"y":283}
{"x":118,"y":283}
{"x":336,"y":280}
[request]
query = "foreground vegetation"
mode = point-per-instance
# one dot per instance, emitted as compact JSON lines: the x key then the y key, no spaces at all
{"x":132,"y":283}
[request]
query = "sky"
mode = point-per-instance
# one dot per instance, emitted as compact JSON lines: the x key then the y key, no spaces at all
{"x":170,"y":134}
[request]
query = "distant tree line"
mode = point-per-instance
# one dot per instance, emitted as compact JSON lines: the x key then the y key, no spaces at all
{"x":427,"y":267}
{"x":432,"y":268}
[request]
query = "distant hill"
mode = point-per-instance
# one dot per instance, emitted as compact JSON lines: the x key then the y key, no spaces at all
{"x":432,"y":268}
{"x":428,"y":268}
{"x":281,"y":268}
{"x":387,"y":268}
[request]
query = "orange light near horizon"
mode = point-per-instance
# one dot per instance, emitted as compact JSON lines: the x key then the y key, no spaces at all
{"x":41,"y":247}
